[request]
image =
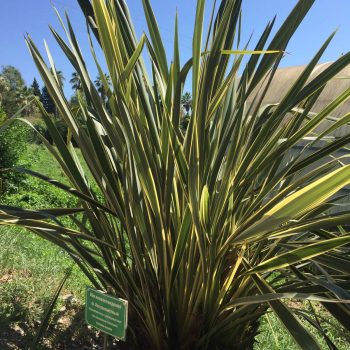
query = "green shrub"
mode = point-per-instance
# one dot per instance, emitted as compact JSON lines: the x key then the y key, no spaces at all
{"x":2,"y":114}
{"x":13,"y":142}
{"x":40,"y":126}
{"x":36,"y":194}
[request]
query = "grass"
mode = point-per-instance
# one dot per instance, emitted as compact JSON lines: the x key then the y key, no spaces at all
{"x":38,"y":158}
{"x":26,"y":251}
{"x":273,"y":336}
{"x":31,"y":269}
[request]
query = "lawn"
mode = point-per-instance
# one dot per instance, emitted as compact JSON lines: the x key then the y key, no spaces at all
{"x":32,"y":268}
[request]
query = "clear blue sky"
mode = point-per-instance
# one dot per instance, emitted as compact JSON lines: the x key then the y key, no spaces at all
{"x":18,"y":17}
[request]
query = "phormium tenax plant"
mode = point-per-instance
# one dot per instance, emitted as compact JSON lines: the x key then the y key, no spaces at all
{"x":202,"y":228}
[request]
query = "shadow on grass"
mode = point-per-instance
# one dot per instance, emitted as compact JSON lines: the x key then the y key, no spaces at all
{"x":67,"y":329}
{"x":15,"y":329}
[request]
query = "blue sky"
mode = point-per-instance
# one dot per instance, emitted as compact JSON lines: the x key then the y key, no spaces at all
{"x":18,"y":17}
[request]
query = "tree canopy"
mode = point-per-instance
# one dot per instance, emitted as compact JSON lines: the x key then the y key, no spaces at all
{"x":36,"y":88}
{"x":11,"y":83}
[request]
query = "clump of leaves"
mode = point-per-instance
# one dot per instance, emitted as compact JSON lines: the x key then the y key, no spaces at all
{"x":201,"y":229}
{"x":13,"y":142}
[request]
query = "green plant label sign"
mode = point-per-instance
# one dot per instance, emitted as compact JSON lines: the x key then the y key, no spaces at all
{"x":107,"y":313}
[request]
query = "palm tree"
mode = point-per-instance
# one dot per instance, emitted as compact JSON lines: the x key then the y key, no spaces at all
{"x":75,"y":81}
{"x":59,"y":76}
{"x":186,"y":102}
{"x":100,"y":86}
{"x":25,"y":96}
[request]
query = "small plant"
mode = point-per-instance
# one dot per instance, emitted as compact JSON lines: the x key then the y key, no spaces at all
{"x":203,"y":229}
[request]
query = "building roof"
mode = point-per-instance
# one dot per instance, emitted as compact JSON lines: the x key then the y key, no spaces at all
{"x":285,"y":77}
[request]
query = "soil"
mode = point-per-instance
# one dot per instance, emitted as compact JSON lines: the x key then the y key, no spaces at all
{"x":67,"y":331}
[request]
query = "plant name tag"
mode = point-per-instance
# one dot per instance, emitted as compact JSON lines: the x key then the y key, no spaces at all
{"x":106,"y":313}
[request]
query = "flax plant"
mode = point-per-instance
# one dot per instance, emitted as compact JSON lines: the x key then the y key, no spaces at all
{"x":202,"y":230}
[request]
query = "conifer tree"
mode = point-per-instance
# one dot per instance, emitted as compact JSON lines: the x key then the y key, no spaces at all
{"x":35,"y":88}
{"x":47,"y":101}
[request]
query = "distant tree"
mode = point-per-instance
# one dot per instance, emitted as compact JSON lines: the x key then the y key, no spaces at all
{"x":47,"y":101}
{"x":2,"y":114}
{"x":76,"y":101}
{"x":100,"y":87}
{"x":14,"y":83}
{"x":25,"y":97}
{"x":35,"y":88}
{"x":4,"y":88}
{"x":75,"y":81}
{"x":14,"y":77}
{"x":46,"y":98}
{"x":13,"y":141}
{"x":60,"y":77}
{"x":186,"y":102}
